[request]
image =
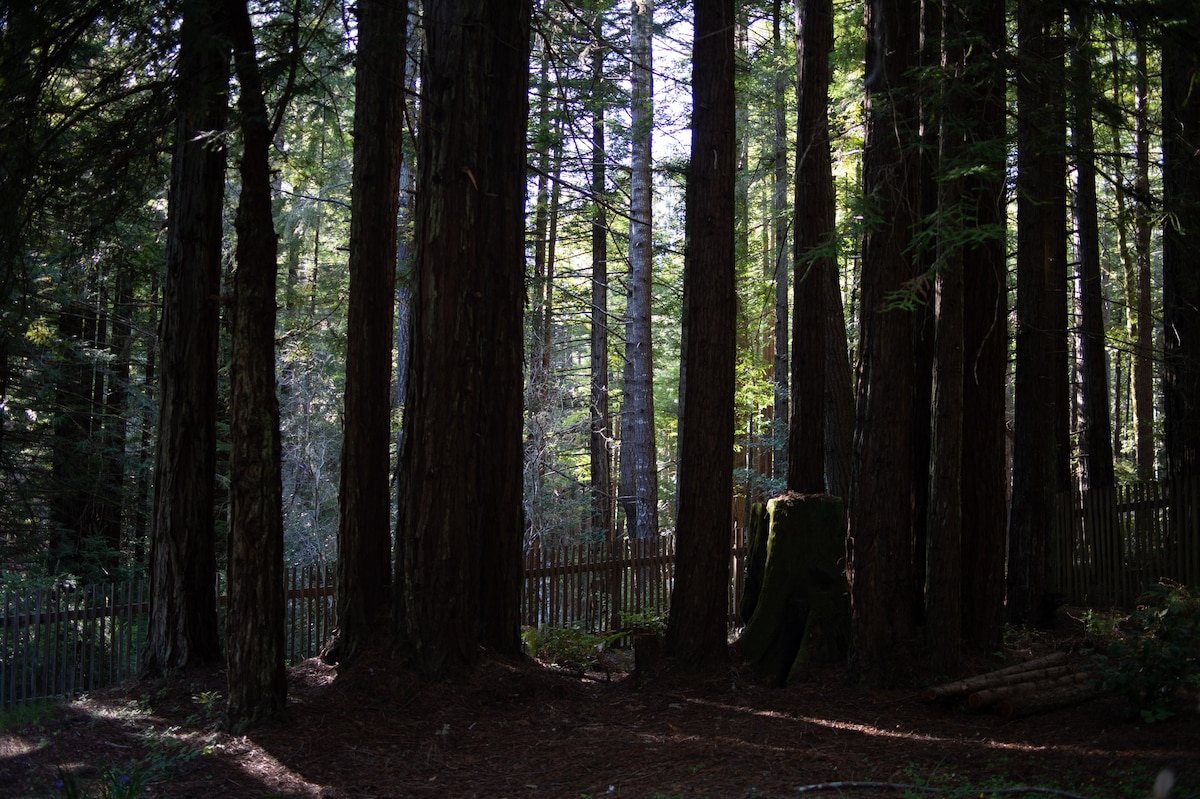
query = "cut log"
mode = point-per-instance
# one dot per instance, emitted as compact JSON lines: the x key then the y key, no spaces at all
{"x":1017,"y":673}
{"x":1028,"y":704}
{"x":990,"y":696}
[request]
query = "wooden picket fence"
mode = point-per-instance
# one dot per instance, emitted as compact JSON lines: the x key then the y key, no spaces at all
{"x":66,"y":640}
{"x":1114,"y":543}
{"x":603,"y":587}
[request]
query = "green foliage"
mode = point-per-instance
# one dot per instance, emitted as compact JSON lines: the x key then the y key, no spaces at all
{"x":647,"y":621}
{"x":1148,"y":657}
{"x":113,"y":783}
{"x":566,"y":647}
{"x":29,"y":714}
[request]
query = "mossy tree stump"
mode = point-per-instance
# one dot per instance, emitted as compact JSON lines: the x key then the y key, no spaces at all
{"x":800,"y":612}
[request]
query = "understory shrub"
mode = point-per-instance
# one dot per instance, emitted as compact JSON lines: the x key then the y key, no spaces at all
{"x":1152,"y":655}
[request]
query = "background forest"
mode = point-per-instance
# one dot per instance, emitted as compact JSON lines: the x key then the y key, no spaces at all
{"x":1048,"y":149}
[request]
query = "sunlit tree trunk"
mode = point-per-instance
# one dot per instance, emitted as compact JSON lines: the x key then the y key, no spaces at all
{"x":639,"y":460}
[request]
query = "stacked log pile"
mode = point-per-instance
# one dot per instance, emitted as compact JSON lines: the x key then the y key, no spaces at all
{"x":1034,"y":686}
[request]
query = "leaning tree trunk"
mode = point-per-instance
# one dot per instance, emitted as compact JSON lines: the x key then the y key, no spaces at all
{"x":255,"y":619}
{"x":183,"y":603}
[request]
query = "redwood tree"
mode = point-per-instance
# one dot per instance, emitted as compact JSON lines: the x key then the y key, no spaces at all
{"x":461,"y":527}
{"x":1181,"y":246}
{"x":364,"y":530}
{"x":255,"y":622}
{"x":696,"y":632}
{"x":883,"y":590}
{"x":183,"y":602}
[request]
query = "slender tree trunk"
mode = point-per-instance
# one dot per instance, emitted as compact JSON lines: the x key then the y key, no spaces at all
{"x":183,"y":603}
{"x":1181,"y":249}
{"x":1040,"y":382}
{"x":1095,"y":434}
{"x":814,"y":257}
{"x":639,"y":461}
{"x":364,"y":495}
{"x":255,"y":621}
{"x":696,"y":632}
{"x":1143,"y":358}
{"x":460,"y":532}
{"x":600,"y":425}
{"x":779,"y":261}
{"x":883,"y":588}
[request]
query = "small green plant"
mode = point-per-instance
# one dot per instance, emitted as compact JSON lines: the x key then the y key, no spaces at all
{"x":209,"y":707}
{"x":1150,"y":656}
{"x":113,"y":783}
{"x":565,"y":647}
{"x":26,"y":715}
{"x":648,"y":621}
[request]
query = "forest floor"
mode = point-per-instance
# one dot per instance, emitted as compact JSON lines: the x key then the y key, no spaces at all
{"x":522,"y":729}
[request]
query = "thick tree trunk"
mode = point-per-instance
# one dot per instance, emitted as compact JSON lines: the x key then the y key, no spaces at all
{"x":459,"y":536}
{"x":1040,"y":382}
{"x":364,"y":495}
{"x":985,"y":347}
{"x":254,"y":627}
{"x":814,"y":256}
{"x":884,"y":593}
{"x":183,"y":603}
{"x":639,"y":459}
{"x":1181,"y":252}
{"x":779,"y":260}
{"x":696,"y":631}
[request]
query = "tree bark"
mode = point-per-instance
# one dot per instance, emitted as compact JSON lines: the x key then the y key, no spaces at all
{"x":696,"y":631}
{"x":1095,"y":433}
{"x":1181,"y":250}
{"x":814,"y":256}
{"x":985,"y":345}
{"x":183,"y":603}
{"x":460,"y":532}
{"x":884,"y":594}
{"x":364,"y":494}
{"x":600,"y":425}
{"x":779,"y":261}
{"x":1040,"y":384}
{"x":639,"y":459}
{"x":254,"y":627}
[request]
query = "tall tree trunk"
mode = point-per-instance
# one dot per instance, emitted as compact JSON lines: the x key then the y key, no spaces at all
{"x":814,"y":257}
{"x":600,"y":454}
{"x":779,"y":261}
{"x":944,"y":527}
{"x":1143,"y":358}
{"x":459,"y":537}
{"x":985,"y":343}
{"x":1181,"y":248}
{"x":1095,"y":434}
{"x":364,"y":495}
{"x":183,"y":603}
{"x":1040,"y":382}
{"x":883,"y":588}
{"x":696,"y":632}
{"x":639,"y":461}
{"x":254,"y":630}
